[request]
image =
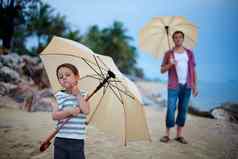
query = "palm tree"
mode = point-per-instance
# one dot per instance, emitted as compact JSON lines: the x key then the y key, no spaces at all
{"x":43,"y":24}
{"x":93,"y":39}
{"x":116,"y":45}
{"x":39,"y":21}
{"x":73,"y":35}
{"x":114,"y":42}
{"x":11,"y":15}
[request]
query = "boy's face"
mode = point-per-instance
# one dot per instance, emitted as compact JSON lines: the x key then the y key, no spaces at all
{"x":67,"y":78}
{"x":178,"y":39}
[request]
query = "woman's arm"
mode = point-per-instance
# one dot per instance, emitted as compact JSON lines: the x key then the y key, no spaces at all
{"x":168,"y":63}
{"x":195,"y":89}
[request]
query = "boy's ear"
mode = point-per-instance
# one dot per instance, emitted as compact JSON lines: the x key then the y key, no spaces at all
{"x":77,"y":77}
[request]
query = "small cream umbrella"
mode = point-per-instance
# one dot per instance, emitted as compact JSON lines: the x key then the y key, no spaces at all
{"x":117,"y":108}
{"x":156,"y":36}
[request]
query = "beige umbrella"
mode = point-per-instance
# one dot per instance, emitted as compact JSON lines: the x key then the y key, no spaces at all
{"x":156,"y":36}
{"x":116,"y":109}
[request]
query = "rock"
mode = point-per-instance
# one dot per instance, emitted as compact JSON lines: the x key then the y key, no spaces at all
{"x":6,"y":88}
{"x":12,"y":60}
{"x":39,"y":100}
{"x":195,"y":111}
{"x":227,"y":112}
{"x":20,"y":92}
{"x":30,"y":60}
{"x":147,"y":101}
{"x":220,"y":114}
{"x":15,"y":68}
{"x":36,"y":72}
{"x":42,"y":104}
{"x":9,"y":75}
{"x":46,"y":93}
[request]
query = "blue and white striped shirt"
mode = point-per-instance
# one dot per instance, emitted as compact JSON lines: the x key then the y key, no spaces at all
{"x":75,"y":128}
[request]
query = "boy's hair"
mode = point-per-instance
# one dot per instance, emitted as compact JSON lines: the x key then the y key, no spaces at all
{"x":69,"y":66}
{"x":178,"y":32}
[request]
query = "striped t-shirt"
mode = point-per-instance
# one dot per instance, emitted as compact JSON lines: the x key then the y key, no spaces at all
{"x":75,"y":128}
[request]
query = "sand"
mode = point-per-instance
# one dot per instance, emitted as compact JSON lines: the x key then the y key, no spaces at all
{"x":21,"y":133}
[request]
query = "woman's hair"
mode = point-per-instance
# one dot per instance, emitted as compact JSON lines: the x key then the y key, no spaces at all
{"x":69,"y":66}
{"x":178,"y":32}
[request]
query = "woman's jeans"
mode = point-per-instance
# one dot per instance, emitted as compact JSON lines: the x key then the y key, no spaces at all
{"x":182,"y":93}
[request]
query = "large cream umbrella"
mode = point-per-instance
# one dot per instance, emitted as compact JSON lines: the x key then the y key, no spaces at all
{"x":117,"y":108}
{"x":156,"y":36}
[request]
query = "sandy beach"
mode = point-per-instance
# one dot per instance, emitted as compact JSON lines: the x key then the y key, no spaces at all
{"x":21,"y":133}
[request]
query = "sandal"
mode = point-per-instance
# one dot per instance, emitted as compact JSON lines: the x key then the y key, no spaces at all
{"x":181,"y":140}
{"x":165,"y":139}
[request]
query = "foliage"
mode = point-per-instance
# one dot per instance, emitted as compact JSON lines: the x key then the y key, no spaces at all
{"x":35,"y":20}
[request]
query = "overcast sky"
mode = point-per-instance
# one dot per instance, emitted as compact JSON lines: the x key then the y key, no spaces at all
{"x":215,"y":53}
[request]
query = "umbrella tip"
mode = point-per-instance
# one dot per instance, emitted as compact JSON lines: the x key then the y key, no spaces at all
{"x":167,"y":28}
{"x":111,"y":74}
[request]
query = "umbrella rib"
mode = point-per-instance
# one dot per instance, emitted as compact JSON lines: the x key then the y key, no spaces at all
{"x":125,"y":117}
{"x":171,"y":20}
{"x":193,"y":41}
{"x":98,"y":65}
{"x":123,"y":91}
{"x":149,"y":36}
{"x":103,"y":63}
{"x":115,"y":81}
{"x":158,"y":46}
{"x":116,"y":94}
{"x":120,"y":94}
{"x":91,"y":77}
{"x":97,"y":106}
{"x":125,"y":122}
{"x":162,"y":21}
{"x":87,"y":62}
{"x":72,"y":56}
{"x":185,"y":24}
{"x":92,"y":68}
{"x":105,"y":88}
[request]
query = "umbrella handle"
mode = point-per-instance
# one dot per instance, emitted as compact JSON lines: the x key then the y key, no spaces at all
{"x":167,"y":33}
{"x":46,"y":143}
{"x":110,"y":74}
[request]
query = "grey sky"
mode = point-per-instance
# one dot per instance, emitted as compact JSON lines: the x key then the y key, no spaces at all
{"x":215,"y":52}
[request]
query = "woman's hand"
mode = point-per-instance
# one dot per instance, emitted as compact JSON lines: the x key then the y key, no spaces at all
{"x":195,"y":91}
{"x":172,"y":61}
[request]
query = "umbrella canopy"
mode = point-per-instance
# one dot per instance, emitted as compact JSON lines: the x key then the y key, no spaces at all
{"x":116,"y":108}
{"x":156,"y":36}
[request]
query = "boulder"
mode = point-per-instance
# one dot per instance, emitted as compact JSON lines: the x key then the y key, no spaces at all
{"x":227,"y":111}
{"x":9,"y":75}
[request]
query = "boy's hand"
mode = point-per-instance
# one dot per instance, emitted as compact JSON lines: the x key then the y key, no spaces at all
{"x":76,"y":111}
{"x":81,"y":98}
{"x":75,"y":90}
{"x":73,"y":111}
